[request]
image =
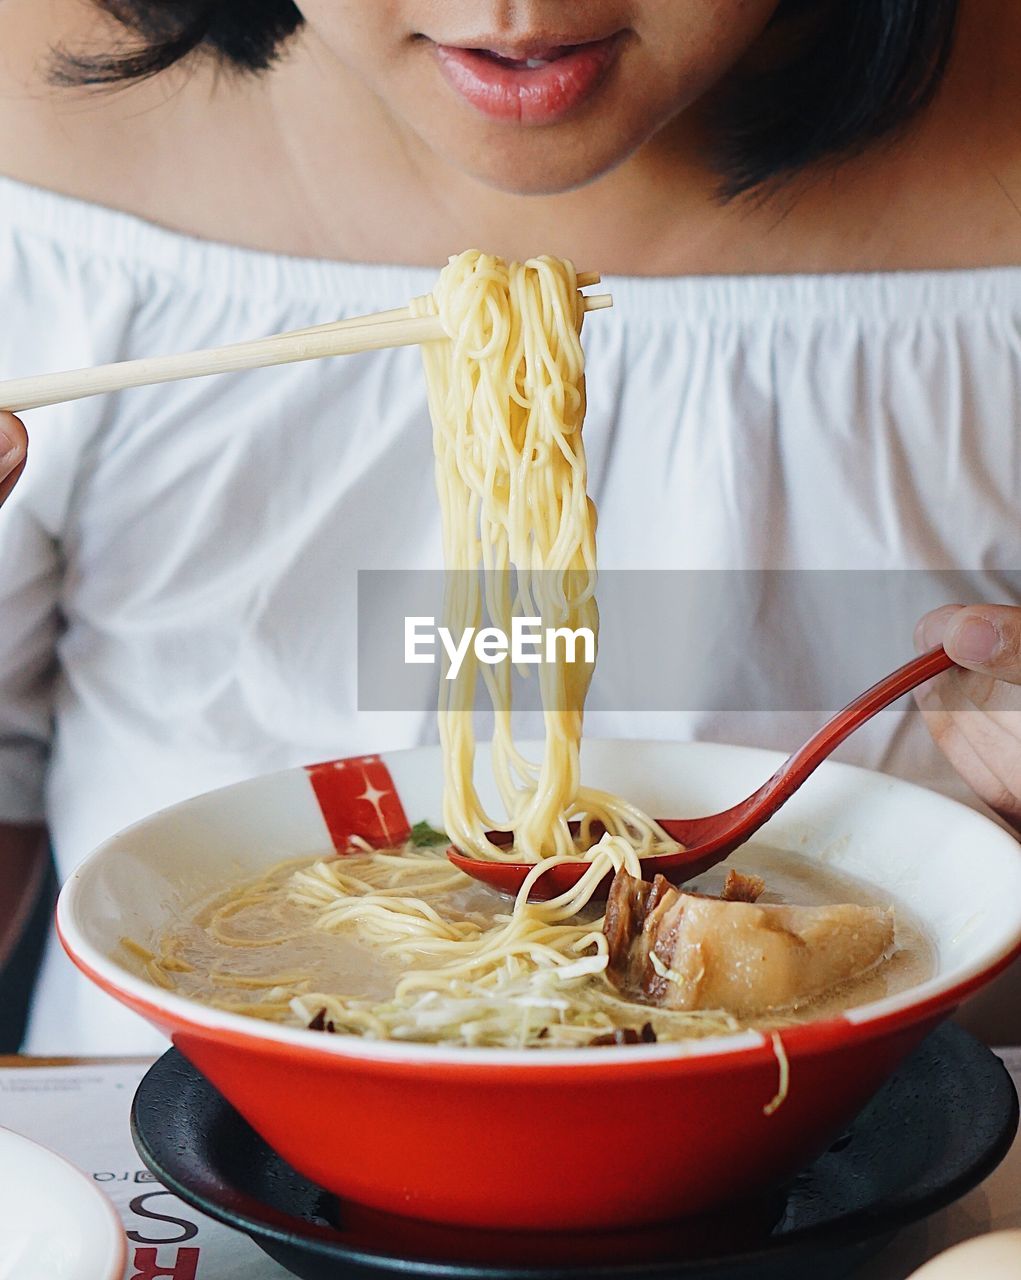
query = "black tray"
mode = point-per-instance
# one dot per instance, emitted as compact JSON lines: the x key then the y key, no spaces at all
{"x":937,"y":1129}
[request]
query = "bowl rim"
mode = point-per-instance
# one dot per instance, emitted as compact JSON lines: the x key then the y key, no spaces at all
{"x":105,"y":1210}
{"x":935,"y":997}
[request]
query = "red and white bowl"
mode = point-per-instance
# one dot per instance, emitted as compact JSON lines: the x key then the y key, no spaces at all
{"x":571,"y":1138}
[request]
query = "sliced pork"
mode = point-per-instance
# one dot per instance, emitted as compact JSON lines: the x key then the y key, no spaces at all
{"x":686,"y":951}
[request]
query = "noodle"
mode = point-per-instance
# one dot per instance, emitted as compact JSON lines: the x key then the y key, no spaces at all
{"x":507,"y":399}
{"x":784,"y":1083}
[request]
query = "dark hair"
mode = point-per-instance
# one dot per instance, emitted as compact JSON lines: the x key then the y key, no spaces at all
{"x":246,"y":35}
{"x":859,"y":70}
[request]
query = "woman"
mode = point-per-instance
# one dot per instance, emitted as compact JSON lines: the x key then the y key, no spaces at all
{"x":818,"y":375}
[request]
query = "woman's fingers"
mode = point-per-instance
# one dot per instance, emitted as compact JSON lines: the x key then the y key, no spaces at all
{"x":979,"y":731}
{"x":975,"y":714}
{"x":981,"y":637}
{"x":13,"y":450}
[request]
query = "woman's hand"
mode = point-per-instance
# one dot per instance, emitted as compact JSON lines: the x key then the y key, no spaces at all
{"x":975,"y":714}
{"x":13,"y":450}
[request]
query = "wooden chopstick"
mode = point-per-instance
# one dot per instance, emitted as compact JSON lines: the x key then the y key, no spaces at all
{"x":334,"y":340}
{"x":584,"y":279}
{"x":397,"y":328}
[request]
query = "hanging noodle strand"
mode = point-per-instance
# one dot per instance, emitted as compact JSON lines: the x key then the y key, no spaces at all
{"x":507,"y":399}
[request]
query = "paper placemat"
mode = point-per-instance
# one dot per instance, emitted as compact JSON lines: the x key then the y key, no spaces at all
{"x":81,"y":1112}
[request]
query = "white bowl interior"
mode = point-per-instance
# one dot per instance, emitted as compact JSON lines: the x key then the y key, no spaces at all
{"x":957,"y":872}
{"x":54,"y":1222}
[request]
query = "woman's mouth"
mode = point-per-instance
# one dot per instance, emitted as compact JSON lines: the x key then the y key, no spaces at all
{"x":538,"y":84}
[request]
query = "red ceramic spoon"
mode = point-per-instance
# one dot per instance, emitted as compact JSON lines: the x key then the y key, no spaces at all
{"x":708,"y":840}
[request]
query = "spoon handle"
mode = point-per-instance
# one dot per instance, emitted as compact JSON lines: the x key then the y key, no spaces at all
{"x":797,"y":767}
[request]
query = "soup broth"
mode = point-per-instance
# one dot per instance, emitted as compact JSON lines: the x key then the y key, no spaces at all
{"x":291,"y":948}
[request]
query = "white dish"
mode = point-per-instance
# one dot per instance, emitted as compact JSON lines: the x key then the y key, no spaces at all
{"x":55,"y":1224}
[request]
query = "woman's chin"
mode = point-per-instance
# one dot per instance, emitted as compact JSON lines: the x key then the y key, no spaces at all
{"x":531,"y":167}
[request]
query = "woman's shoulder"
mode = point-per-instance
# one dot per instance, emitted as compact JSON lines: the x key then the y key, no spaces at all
{"x":946,"y":192}
{"x":943,"y":193}
{"x":144,"y":149}
{"x":53,"y":137}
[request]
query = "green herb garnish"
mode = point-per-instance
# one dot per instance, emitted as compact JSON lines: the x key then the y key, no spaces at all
{"x":423,"y":834}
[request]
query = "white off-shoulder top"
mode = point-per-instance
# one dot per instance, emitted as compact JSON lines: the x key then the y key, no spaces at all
{"x":177,"y":567}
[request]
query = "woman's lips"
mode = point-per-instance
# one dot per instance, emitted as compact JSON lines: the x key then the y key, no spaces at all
{"x":536,"y":87}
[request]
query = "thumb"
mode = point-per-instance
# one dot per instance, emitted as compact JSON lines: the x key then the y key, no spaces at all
{"x":13,"y":448}
{"x":986,"y":638}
